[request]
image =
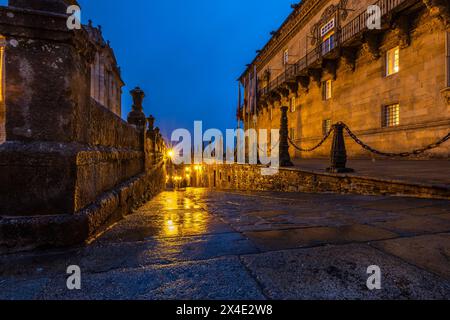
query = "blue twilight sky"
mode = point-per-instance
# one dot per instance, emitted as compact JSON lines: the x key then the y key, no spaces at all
{"x":186,"y":55}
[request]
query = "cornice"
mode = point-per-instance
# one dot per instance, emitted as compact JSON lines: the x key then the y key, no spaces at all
{"x":295,"y":21}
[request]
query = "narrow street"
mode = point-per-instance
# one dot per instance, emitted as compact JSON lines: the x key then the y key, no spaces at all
{"x":202,"y":244}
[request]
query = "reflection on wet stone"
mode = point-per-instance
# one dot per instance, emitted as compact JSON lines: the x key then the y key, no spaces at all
{"x":261,"y":244}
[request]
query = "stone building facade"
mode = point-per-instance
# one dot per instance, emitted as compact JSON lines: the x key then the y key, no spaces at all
{"x":69,"y":165}
{"x":106,"y":81}
{"x":390,"y":85}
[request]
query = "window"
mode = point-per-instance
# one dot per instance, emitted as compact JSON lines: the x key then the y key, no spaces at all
{"x":2,"y":68}
{"x":292,"y":134}
{"x":286,"y":57}
{"x":391,"y":115}
{"x":328,"y":43}
{"x":327,"y":90}
{"x":393,"y":61}
{"x":293,"y":104}
{"x":327,"y":28}
{"x":328,"y":37}
{"x":326,"y":126}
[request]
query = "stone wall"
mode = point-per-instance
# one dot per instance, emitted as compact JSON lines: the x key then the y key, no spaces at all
{"x":26,"y":233}
{"x":68,"y":165}
{"x":249,"y":178}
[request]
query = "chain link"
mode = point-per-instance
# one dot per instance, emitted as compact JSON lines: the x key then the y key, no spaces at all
{"x":314,"y":148}
{"x":388,"y":154}
{"x":268,"y":151}
{"x":369,"y":148}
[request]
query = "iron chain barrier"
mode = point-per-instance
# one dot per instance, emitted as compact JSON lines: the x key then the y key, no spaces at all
{"x":390,"y":154}
{"x":314,"y":148}
{"x":371,"y":149}
{"x":339,"y":153}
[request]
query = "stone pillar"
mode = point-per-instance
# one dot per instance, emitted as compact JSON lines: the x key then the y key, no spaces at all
{"x":285,"y":158}
{"x":56,"y":6}
{"x":136,"y":116}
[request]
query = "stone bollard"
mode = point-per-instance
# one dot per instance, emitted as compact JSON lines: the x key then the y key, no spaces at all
{"x":338,"y":151}
{"x":285,"y":158}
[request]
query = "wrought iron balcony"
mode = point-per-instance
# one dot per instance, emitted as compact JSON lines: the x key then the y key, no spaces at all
{"x":324,"y":50}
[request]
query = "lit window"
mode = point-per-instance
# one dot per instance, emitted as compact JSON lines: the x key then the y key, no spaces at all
{"x":391,"y":115}
{"x":326,"y":126}
{"x":393,"y":61}
{"x":2,"y":69}
{"x":292,"y":134}
{"x":293,"y":104}
{"x":286,"y":57}
{"x":327,"y":28}
{"x":328,"y":44}
{"x":327,"y":90}
{"x":328,"y":37}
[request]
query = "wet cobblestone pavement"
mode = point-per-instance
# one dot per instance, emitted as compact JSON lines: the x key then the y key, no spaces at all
{"x":202,"y":244}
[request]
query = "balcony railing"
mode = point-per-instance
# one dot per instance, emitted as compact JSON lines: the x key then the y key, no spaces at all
{"x":345,"y":34}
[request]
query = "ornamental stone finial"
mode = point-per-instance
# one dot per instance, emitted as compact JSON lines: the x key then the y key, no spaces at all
{"x":151,"y":123}
{"x":136,"y":116}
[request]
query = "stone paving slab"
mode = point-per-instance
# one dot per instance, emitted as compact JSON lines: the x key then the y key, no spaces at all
{"x":399,"y":203}
{"x":308,"y":237}
{"x":415,"y":225}
{"x":340,"y":272}
{"x":220,"y":279}
{"x":203,"y":244}
{"x":103,"y":257}
{"x":428,"y":211}
{"x":140,"y":226}
{"x":431,"y":252}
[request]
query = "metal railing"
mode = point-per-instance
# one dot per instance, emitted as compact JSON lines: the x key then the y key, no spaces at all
{"x":346,"y":33}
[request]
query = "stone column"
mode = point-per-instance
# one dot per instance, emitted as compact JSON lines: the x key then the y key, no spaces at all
{"x":285,"y":158}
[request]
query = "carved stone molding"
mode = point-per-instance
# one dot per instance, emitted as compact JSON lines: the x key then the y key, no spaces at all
{"x":293,"y":88}
{"x":338,"y":9}
{"x":273,"y":97}
{"x":304,"y":82}
{"x":440,"y":9}
{"x":316,"y":75}
{"x":372,"y":42}
{"x":403,"y":26}
{"x":331,"y":66}
{"x":349,"y":56}
{"x":283,"y":91}
{"x":263,"y":104}
{"x":446,"y":94}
